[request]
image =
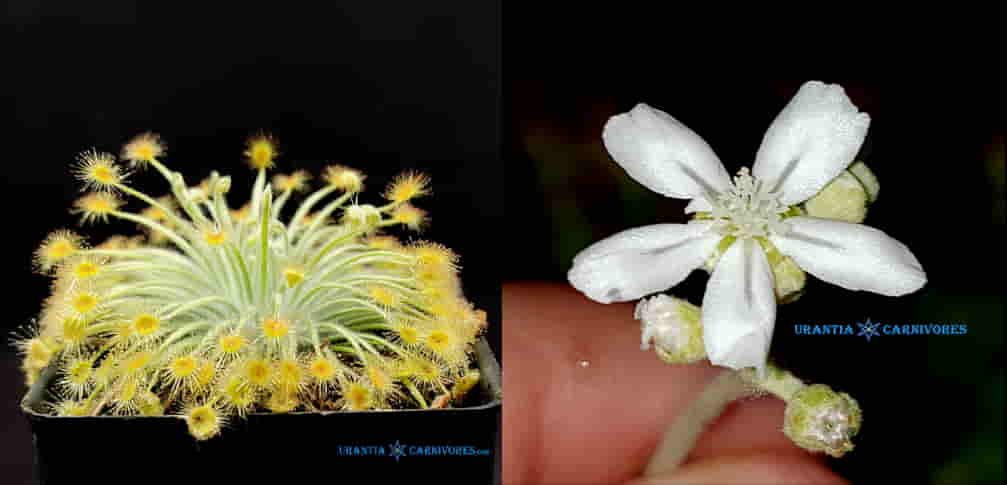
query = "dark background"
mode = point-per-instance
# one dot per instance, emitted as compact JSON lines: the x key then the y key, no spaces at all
{"x":379,"y":87}
{"x":932,"y":405}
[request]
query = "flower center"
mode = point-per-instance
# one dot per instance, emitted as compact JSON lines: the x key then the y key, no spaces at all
{"x":748,"y":209}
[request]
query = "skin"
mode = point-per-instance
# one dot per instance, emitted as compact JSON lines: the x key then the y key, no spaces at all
{"x":599,"y":424}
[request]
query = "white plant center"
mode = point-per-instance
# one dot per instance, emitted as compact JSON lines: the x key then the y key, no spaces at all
{"x":748,"y":209}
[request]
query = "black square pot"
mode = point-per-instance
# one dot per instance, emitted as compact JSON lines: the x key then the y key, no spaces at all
{"x":437,"y":446}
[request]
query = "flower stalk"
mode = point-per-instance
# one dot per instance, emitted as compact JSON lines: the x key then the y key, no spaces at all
{"x":817,"y":418}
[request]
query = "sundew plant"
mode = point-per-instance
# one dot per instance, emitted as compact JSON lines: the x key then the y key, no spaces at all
{"x":217,"y":312}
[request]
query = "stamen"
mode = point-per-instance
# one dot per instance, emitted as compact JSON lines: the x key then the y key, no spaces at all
{"x":749,"y":209}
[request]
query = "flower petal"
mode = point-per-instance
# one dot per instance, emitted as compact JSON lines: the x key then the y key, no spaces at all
{"x":641,"y":261}
{"x":853,"y":256}
{"x":814,"y":138}
{"x":699,"y":204}
{"x":739,"y":308}
{"x":663,"y":154}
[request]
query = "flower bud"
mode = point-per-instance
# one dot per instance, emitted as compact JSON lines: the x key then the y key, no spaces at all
{"x":789,"y":279}
{"x":820,"y":419}
{"x":673,"y":326}
{"x":843,"y":199}
{"x":866,"y":178}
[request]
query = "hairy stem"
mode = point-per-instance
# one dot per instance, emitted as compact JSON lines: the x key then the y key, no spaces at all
{"x":681,"y":436}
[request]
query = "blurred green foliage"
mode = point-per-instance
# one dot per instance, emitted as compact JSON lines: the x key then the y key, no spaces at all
{"x":971,"y":363}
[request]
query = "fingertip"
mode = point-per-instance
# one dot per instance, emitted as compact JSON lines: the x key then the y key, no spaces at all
{"x":756,"y":468}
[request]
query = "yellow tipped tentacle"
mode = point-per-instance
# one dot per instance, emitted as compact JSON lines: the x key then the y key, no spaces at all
{"x":324,"y":307}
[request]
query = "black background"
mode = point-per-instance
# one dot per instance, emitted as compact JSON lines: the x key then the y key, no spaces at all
{"x":387,"y":86}
{"x":930,"y":404}
{"x":380,"y":87}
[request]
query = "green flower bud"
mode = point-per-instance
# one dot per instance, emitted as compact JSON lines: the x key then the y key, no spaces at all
{"x":820,"y":419}
{"x":673,"y":326}
{"x":788,"y":277}
{"x":843,"y":199}
{"x":866,"y":178}
{"x":789,"y":280}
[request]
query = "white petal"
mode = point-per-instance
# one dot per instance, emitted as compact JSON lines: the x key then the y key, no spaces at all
{"x":663,"y":154}
{"x":699,"y":204}
{"x":641,"y":261}
{"x":739,"y":308}
{"x":853,"y":256}
{"x":814,"y":138}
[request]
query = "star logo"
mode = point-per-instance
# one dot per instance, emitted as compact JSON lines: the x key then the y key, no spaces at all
{"x":398,"y":450}
{"x":868,"y":329}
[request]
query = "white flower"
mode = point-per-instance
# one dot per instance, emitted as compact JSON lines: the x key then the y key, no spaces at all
{"x":811,"y":142}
